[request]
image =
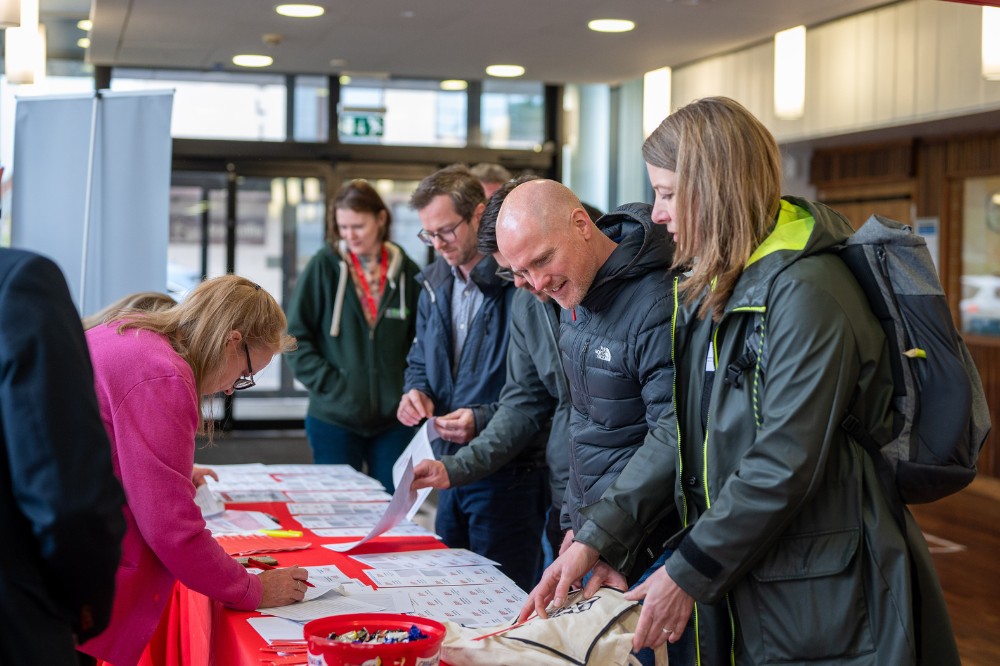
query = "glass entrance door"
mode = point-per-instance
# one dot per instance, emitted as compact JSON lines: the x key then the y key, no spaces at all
{"x":249,"y":225}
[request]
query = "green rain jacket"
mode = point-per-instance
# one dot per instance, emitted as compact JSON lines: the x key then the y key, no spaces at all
{"x":789,"y":547}
{"x":354,"y":372}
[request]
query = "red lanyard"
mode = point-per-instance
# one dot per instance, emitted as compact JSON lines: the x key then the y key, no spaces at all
{"x":369,"y":300}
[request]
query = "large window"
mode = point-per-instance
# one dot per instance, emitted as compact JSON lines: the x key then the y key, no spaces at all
{"x":980,"y":303}
{"x":216,"y":105}
{"x":513,"y":114}
{"x":401,"y":112}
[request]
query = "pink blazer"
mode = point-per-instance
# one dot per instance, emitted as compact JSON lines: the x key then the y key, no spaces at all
{"x":148,"y":402}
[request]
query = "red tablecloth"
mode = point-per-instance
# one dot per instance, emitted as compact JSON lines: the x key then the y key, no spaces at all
{"x":196,"y":631}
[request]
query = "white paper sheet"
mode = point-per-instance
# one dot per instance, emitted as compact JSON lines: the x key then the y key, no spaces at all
{"x":340,"y":520}
{"x":245,"y":496}
{"x":276,"y":629}
{"x":485,"y":575}
{"x":405,"y":529}
{"x":418,"y":449}
{"x":469,"y":605}
{"x":330,"y":603}
{"x":397,"y":510}
{"x":338,"y":496}
{"x":425,"y":559}
{"x":327,"y":575}
{"x":395,"y":601}
{"x":241,"y":522}
{"x":207,"y":501}
{"x":328,"y":508}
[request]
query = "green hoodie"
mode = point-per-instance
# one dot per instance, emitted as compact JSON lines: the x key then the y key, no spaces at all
{"x":354,"y":372}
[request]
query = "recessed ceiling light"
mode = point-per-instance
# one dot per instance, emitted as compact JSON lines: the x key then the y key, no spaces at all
{"x":86,"y":25}
{"x":611,"y":25}
{"x":83,"y":42}
{"x":300,"y":11}
{"x":252,"y":60}
{"x":505,"y":71}
{"x":454,"y":84}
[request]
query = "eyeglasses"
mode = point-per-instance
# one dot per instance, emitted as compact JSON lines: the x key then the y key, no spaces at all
{"x":504,"y":274}
{"x":446,"y":235}
{"x":243,"y":382}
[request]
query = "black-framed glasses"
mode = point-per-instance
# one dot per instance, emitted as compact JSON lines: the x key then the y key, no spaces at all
{"x":244,"y":382}
{"x":446,"y":235}
{"x":504,"y":274}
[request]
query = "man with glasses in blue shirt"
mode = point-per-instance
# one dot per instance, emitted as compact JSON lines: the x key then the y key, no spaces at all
{"x":456,"y":369}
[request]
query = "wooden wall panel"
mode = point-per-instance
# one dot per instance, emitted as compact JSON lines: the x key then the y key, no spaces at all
{"x":986,"y":354}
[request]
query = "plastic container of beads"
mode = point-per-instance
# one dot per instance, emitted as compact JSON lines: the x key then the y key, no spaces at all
{"x":360,"y":633}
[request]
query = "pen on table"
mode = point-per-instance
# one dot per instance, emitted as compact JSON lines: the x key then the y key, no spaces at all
{"x":267,"y":567}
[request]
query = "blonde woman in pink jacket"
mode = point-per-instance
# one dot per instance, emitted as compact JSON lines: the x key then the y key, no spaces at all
{"x":150,"y":371}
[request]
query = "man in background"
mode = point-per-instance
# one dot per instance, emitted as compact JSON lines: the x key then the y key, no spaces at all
{"x":491,"y":176}
{"x":456,"y":369}
{"x":60,"y":504}
{"x":533,"y":410}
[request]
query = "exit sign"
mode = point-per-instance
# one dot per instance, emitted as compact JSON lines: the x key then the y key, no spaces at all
{"x":367,"y":124}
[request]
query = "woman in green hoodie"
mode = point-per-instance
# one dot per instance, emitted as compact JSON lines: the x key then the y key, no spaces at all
{"x":354,"y":313}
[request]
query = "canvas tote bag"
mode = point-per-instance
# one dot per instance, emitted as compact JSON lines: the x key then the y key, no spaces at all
{"x":588,"y":632}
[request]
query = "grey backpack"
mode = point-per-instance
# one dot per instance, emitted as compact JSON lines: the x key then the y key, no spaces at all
{"x":941,"y":416}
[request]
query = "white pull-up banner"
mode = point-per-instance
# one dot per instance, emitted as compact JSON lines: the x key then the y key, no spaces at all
{"x":92,"y":190}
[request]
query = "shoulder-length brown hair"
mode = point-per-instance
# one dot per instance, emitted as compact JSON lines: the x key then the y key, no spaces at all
{"x":358,"y":195}
{"x":728,"y":168}
{"x":198,"y":327}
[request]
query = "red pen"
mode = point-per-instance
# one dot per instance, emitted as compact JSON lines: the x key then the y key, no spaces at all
{"x":267,"y":567}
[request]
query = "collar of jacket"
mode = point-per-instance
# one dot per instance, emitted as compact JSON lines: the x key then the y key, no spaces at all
{"x":642,"y":247}
{"x":803,"y":228}
{"x":437,"y":274}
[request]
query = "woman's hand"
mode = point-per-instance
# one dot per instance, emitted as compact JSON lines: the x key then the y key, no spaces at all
{"x":282,"y":586}
{"x":665,"y":611}
{"x":554,"y":586}
{"x":198,"y":475}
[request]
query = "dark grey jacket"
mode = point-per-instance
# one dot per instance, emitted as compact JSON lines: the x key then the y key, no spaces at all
{"x":533,"y":409}
{"x":616,"y":352}
{"x":791,"y":549}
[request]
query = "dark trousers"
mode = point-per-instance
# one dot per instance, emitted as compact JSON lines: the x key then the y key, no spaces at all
{"x":500,"y":517}
{"x":335,"y":445}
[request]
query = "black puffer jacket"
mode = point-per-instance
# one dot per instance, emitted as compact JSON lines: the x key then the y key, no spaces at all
{"x":617,"y":355}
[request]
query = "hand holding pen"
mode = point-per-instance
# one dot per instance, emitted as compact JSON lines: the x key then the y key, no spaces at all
{"x":282,"y":586}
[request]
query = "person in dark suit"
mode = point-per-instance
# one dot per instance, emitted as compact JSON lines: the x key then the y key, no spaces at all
{"x":60,"y":504}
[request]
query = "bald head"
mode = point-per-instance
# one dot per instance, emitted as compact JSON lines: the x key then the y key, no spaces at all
{"x":549,"y":240}
{"x":538,"y":206}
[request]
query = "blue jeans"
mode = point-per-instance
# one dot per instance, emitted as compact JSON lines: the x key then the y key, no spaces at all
{"x":335,"y":445}
{"x":500,"y":517}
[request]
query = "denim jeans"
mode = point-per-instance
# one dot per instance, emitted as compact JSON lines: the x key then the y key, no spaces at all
{"x":501,"y":517}
{"x":335,"y":445}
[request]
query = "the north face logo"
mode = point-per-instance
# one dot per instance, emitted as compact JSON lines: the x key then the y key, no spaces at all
{"x":603,"y":353}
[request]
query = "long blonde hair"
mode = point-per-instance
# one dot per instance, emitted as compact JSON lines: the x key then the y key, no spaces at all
{"x":142,"y":301}
{"x":198,"y":328}
{"x":728,"y":168}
